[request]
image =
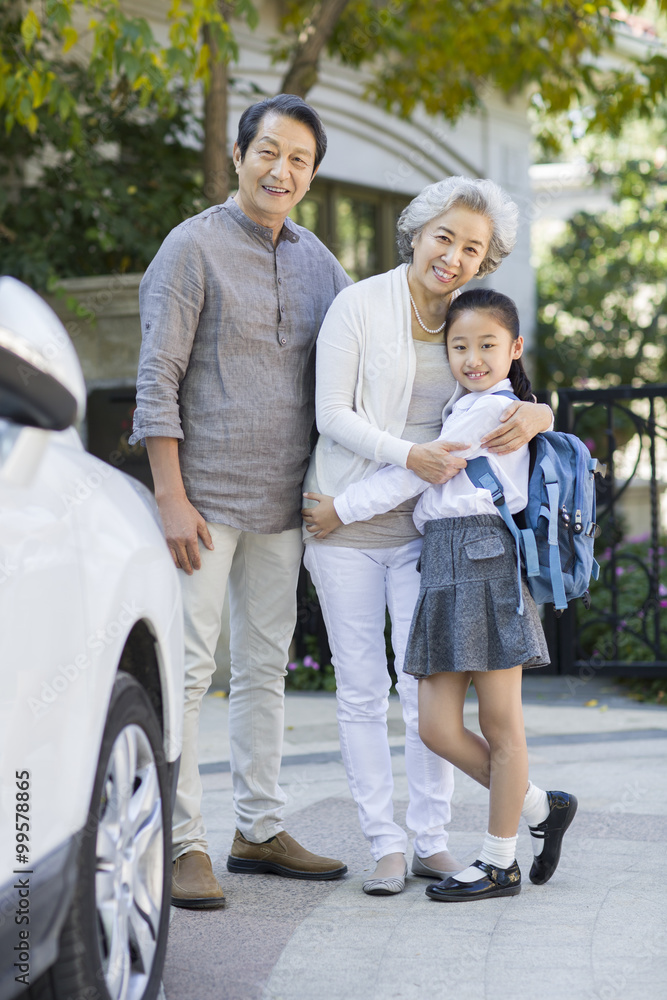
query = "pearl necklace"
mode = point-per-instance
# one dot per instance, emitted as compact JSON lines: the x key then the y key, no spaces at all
{"x":420,"y":321}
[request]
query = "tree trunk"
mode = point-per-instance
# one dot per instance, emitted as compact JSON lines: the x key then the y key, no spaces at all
{"x":302,"y":72}
{"x":216,"y":173}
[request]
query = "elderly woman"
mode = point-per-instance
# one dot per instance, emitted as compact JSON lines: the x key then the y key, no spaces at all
{"x":383,"y":387}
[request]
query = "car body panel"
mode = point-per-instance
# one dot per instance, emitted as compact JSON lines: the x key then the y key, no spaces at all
{"x":83,"y":561}
{"x":51,"y":881}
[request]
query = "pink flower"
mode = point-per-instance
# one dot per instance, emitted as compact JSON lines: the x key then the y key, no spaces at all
{"x":291,"y":666}
{"x":308,"y":661}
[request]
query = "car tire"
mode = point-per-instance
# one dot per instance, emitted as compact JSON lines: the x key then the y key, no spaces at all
{"x":114,"y":939}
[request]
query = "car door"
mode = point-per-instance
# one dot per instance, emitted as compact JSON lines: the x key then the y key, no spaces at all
{"x":43,"y":699}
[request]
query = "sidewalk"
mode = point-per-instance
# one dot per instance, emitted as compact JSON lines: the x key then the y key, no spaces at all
{"x":596,"y":931}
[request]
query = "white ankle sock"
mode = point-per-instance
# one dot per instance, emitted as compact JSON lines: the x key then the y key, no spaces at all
{"x":497,"y":851}
{"x":535,"y":810}
{"x":535,"y":807}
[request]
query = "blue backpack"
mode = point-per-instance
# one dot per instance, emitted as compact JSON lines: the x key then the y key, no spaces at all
{"x":555,"y":533}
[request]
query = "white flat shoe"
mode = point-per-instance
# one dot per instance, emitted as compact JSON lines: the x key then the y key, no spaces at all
{"x":420,"y":867}
{"x":385,"y":886}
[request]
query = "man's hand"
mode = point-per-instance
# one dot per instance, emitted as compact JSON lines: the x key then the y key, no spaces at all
{"x":433,"y":462}
{"x":320,"y":520}
{"x":183,"y":526}
{"x":520,"y":422}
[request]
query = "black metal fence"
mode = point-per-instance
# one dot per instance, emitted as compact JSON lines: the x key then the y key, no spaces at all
{"x":625,"y":631}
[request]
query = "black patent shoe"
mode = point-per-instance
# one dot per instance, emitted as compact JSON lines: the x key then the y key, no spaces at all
{"x":494,"y":882}
{"x":562,"y":808}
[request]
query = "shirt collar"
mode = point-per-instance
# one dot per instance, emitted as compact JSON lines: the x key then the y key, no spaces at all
{"x":465,"y":402}
{"x":262,"y":232}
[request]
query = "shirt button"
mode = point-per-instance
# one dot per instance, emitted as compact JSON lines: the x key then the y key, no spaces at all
{"x":282,"y":309}
{"x":280,"y":281}
{"x":283,"y":341}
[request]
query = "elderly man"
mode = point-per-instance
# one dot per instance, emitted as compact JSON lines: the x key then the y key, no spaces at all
{"x":230,"y":309}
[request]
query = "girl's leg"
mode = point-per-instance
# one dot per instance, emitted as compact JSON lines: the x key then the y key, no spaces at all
{"x":430,"y":777}
{"x":441,"y":700}
{"x":501,"y":722}
{"x":351,"y":588}
{"x":499,"y":759}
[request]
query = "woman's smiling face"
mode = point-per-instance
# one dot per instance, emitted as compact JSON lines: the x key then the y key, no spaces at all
{"x":449,"y":250}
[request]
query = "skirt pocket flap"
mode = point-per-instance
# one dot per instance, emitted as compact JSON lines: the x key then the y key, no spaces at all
{"x":485,"y":548}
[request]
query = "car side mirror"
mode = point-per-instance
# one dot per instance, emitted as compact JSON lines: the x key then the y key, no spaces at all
{"x":41,"y":381}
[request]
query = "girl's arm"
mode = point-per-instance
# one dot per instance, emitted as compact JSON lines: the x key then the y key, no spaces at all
{"x":337,"y":372}
{"x":391,"y":485}
{"x":381,"y":492}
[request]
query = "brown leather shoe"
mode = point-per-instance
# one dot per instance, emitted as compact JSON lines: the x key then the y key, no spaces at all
{"x":193,"y":884}
{"x":281,"y":855}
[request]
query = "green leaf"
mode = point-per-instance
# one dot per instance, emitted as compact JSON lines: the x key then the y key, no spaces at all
{"x":31,"y":29}
{"x":70,"y":38}
{"x":130,"y":64}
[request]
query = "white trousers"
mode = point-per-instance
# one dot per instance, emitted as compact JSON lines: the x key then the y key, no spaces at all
{"x":354,"y":587}
{"x":262,"y":571}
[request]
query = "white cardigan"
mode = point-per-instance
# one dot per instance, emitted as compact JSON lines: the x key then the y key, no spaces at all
{"x":365,"y":373}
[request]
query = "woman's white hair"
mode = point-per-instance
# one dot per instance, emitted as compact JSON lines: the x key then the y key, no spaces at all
{"x":481,"y":196}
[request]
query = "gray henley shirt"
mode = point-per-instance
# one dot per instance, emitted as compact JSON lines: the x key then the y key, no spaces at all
{"x":227,"y":363}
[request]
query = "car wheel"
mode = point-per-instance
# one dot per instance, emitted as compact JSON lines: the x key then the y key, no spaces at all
{"x":115,"y":935}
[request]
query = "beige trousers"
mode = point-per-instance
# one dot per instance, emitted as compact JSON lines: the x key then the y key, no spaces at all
{"x":262,"y":571}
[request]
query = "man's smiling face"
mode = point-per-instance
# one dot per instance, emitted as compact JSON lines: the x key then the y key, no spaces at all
{"x":276,"y":171}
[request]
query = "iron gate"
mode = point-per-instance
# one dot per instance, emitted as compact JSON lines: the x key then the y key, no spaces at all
{"x":625,"y":631}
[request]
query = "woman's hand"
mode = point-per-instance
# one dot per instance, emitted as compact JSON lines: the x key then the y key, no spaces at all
{"x":520,"y":422}
{"x":433,"y":463}
{"x":320,"y":520}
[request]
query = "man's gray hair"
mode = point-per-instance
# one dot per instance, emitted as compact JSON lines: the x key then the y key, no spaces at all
{"x":481,"y":196}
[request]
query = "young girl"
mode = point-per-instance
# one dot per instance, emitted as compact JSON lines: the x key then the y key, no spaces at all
{"x":465,"y":625}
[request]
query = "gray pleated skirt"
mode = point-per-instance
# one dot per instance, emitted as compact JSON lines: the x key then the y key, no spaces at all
{"x":465,"y":617}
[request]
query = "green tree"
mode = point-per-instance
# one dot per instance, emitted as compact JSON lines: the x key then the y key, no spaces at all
{"x":103,"y":204}
{"x":602,"y":289}
{"x":120,"y":54}
{"x":442,"y":54}
{"x":445,"y":54}
{"x":34,"y":39}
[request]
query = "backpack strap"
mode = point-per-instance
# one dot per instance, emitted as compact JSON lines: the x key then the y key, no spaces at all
{"x":551,"y":513}
{"x":478,"y":471}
